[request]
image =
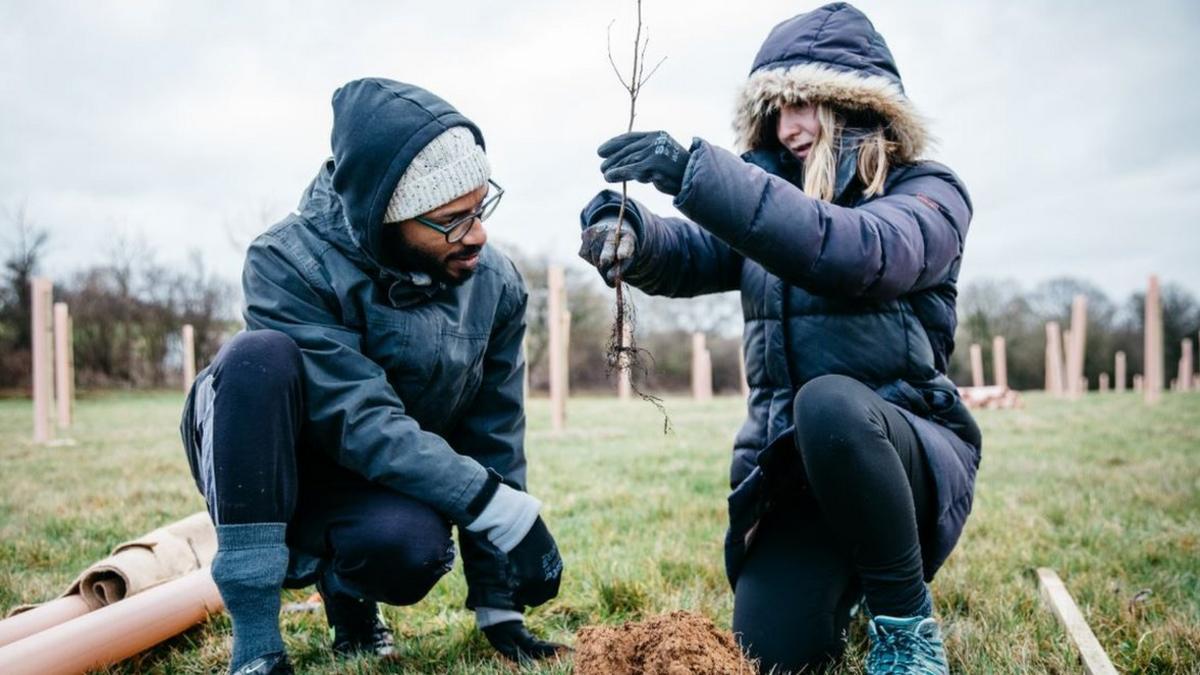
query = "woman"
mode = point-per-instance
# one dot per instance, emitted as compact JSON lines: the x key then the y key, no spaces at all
{"x":854,"y":471}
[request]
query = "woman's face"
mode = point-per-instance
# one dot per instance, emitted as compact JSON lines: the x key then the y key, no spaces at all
{"x":797,"y":128}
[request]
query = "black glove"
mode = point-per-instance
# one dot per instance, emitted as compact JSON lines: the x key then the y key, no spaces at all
{"x":535,"y":567}
{"x":516,"y":643}
{"x":599,"y":247}
{"x":647,"y":157}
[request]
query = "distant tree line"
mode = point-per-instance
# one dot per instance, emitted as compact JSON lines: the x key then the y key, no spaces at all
{"x":128,"y":311}
{"x":990,"y":308}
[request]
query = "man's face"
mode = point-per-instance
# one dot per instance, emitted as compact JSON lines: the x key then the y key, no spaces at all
{"x":422,"y":248}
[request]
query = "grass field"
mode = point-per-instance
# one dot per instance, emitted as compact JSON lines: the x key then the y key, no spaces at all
{"x":1105,"y":491}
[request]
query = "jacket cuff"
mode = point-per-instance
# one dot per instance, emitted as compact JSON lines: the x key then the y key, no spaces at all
{"x":490,"y":616}
{"x":459,"y":509}
{"x":607,"y":204}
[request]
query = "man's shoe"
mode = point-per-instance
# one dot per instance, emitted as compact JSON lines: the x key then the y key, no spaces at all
{"x":908,"y":646}
{"x":356,"y":625}
{"x":271,"y":664}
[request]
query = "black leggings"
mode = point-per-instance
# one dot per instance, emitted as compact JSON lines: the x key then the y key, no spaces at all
{"x":855,"y":531}
{"x":255,"y":467}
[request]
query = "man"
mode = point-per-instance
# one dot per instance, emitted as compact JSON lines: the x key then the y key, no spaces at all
{"x":377,"y":396}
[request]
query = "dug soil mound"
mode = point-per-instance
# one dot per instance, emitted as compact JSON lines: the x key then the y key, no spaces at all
{"x":679,"y":643}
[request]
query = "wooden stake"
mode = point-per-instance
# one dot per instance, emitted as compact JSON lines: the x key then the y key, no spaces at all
{"x":1185,"y":365}
{"x":1153,"y":351}
{"x":41,"y":295}
{"x":525,"y":375}
{"x":62,"y":368}
{"x":566,"y":354}
{"x":701,"y":369}
{"x":976,"y":366}
{"x":1095,"y":661}
{"x":1120,"y":373}
{"x":1077,"y":345}
{"x":1000,"y":361}
{"x":745,"y":382}
{"x":555,"y":322}
{"x":1139,"y":383}
{"x":1054,"y":359}
{"x":189,"y":356}
{"x":1103,"y":383}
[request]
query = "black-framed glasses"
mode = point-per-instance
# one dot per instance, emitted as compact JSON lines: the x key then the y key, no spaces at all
{"x":458,"y":228}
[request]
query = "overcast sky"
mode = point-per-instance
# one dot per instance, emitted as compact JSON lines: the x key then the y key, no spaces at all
{"x":1072,"y":123}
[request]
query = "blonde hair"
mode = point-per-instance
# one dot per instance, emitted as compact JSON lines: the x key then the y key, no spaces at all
{"x":820,"y":167}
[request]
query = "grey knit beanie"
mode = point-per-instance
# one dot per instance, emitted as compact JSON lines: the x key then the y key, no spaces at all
{"x":451,"y":166}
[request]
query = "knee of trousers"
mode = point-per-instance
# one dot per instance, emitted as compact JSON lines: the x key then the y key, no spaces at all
{"x":395,"y":570}
{"x":804,"y":648}
{"x":830,"y":414}
{"x":267,"y":360}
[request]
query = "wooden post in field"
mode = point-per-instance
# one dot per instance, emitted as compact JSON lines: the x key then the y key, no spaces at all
{"x":1139,"y":383}
{"x":976,"y":366}
{"x":1185,"y":365}
{"x":1095,"y":661}
{"x":1152,"y":383}
{"x":525,"y":376}
{"x":555,"y":321}
{"x":41,"y":296}
{"x":566,"y":353}
{"x":1000,"y":362}
{"x":189,"y":356}
{"x":624,"y":383}
{"x":1103,"y":383}
{"x":1120,"y":373}
{"x":701,"y":369}
{"x":64,"y":388}
{"x":1077,"y":344}
{"x":1054,"y":359}
{"x":745,"y":382}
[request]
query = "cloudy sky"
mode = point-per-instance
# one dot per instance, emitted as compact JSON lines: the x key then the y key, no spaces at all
{"x":192,"y":124}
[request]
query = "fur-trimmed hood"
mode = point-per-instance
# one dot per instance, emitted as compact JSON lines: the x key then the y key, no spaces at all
{"x":832,"y":54}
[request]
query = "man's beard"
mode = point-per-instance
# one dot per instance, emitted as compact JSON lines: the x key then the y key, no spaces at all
{"x":415,"y":260}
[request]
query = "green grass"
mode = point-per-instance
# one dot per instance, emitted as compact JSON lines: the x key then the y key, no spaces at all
{"x":1105,"y":491}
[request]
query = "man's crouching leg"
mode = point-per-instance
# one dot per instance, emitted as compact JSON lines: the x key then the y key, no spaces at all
{"x":378,"y":546}
{"x":246,"y":412}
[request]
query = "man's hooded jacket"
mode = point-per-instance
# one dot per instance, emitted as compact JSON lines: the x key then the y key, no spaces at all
{"x":414,"y":384}
{"x":863,"y":286}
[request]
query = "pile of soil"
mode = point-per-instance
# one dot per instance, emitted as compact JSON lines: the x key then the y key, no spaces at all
{"x":679,"y":643}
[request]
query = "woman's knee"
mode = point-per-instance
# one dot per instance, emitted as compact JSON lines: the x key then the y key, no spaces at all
{"x":830,"y":413}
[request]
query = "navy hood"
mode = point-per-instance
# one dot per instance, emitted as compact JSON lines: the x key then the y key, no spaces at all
{"x":833,"y":55}
{"x":379,"y":126}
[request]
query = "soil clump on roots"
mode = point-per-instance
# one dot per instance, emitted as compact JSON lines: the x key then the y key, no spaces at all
{"x":679,"y":643}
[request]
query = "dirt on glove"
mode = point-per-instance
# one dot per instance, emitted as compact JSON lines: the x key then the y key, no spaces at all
{"x":679,"y":643}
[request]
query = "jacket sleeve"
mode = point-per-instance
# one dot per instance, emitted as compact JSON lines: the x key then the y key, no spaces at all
{"x":905,"y":241}
{"x":350,"y":406}
{"x":493,"y":431}
{"x":674,"y":257}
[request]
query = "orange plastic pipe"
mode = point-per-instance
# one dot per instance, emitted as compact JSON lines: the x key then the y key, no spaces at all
{"x":41,"y":617}
{"x":115,"y":632}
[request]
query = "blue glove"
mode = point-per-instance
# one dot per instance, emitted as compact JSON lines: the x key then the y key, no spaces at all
{"x":647,"y":157}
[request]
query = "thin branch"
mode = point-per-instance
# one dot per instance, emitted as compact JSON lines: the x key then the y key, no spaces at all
{"x":652,"y":71}
{"x":612,"y":61}
{"x":628,"y":357}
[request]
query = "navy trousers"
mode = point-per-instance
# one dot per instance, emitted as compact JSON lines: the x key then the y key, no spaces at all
{"x":243,"y":429}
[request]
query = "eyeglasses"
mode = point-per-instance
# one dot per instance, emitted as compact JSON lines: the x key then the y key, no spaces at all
{"x":458,"y":228}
